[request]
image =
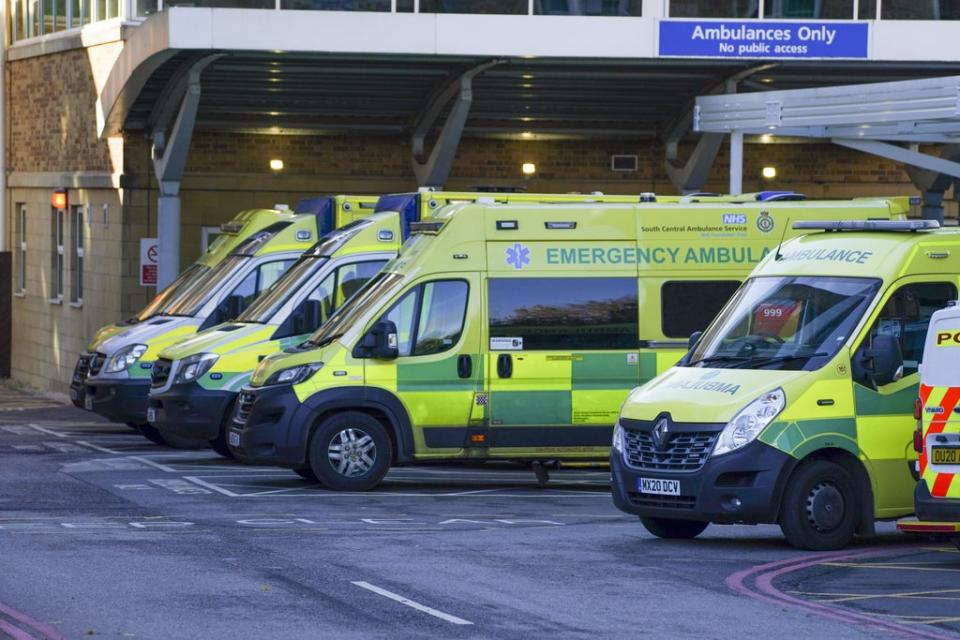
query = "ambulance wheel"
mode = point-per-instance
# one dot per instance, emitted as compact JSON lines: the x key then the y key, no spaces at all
{"x":820,"y":507}
{"x":350,"y":451}
{"x":219,"y":444}
{"x":671,"y":529}
{"x":306,"y":473}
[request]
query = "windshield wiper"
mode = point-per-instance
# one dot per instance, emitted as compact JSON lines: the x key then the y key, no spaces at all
{"x":763,"y":361}
{"x":719,"y":359}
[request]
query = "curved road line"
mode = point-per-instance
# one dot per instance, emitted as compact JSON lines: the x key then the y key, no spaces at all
{"x":764,"y":576}
{"x":45,"y":630}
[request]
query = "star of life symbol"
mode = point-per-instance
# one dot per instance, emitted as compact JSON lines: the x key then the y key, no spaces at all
{"x":518,"y":256}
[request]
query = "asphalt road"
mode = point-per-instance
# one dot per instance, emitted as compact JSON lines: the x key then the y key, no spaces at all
{"x":103,"y":534}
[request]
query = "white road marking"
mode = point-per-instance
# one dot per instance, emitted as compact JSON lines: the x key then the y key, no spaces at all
{"x":229,"y":494}
{"x":97,"y":447}
{"x":47,"y":431}
{"x":412,"y":603}
{"x":153,"y":464}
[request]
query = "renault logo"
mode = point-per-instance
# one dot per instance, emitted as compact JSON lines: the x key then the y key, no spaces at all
{"x":661,"y":433}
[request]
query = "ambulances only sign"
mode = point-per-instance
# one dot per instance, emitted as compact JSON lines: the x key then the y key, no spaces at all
{"x":729,"y":39}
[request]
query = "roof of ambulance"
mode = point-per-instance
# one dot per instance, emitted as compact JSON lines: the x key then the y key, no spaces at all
{"x":884,"y":254}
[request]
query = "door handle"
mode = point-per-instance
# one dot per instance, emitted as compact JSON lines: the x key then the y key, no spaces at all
{"x":504,"y":365}
{"x":465,"y":366}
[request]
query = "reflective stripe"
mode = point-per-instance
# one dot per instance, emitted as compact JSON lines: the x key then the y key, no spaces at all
{"x":939,"y":421}
{"x":941,"y":485}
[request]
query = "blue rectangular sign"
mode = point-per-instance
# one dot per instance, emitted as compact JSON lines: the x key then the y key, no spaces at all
{"x":758,"y":39}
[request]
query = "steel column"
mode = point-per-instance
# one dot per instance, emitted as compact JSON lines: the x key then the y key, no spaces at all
{"x":736,"y":162}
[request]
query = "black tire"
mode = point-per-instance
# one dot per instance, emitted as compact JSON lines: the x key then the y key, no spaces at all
{"x":219,"y":444}
{"x":306,"y":473}
{"x":671,"y":529}
{"x":334,"y":431}
{"x":821,"y":507}
{"x":151,"y":433}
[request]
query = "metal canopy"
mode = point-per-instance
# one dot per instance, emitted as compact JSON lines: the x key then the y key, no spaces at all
{"x":926,"y":110}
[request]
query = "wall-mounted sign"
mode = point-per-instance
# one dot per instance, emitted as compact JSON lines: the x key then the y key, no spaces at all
{"x":759,"y":39}
{"x":149,"y":254}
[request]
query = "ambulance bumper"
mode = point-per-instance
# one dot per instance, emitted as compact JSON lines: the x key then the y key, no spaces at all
{"x":742,"y":486}
{"x":935,"y":509}
{"x":118,"y":400}
{"x":79,"y":380}
{"x":189,"y":411}
{"x":268,"y":425}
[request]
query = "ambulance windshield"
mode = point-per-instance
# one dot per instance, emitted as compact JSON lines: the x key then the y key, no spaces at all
{"x":372,"y":295}
{"x":792,"y":323}
{"x":166,"y":298}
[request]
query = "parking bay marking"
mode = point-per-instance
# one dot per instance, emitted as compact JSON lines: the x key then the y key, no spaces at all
{"x":413,"y":604}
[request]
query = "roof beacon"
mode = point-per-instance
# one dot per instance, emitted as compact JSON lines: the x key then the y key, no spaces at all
{"x":868,"y":225}
{"x":648,"y":196}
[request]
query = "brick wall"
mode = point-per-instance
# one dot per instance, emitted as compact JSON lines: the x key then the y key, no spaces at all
{"x":52,"y":111}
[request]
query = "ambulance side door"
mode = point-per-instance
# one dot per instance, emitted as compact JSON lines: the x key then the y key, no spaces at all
{"x":563,"y":355}
{"x":439,"y":370}
{"x":885,"y":422}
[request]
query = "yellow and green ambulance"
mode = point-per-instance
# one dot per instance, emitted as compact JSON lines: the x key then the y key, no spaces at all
{"x":510,"y":331}
{"x":118,"y":377}
{"x":195,"y":382}
{"x":796,"y":406}
{"x":937,"y":438}
{"x":232,"y":233}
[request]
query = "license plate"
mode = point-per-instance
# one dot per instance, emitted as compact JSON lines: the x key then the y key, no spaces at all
{"x":659,"y":487}
{"x":946,"y":455}
{"x":88,"y":403}
{"x":151,"y":415}
{"x":73,"y":394}
{"x":234,"y":439}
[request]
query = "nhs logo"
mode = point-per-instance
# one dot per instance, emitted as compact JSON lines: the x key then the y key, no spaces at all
{"x":734,"y":218}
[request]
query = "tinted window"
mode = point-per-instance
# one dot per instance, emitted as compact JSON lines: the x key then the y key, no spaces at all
{"x":565,"y":314}
{"x":441,"y":316}
{"x":689,"y":306}
{"x":436,"y":310}
{"x":906,"y":315}
{"x":327,"y":297}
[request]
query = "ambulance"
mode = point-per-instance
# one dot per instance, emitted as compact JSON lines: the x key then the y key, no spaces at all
{"x":507,"y":331}
{"x":796,"y":405}
{"x":937,"y":438}
{"x":232,"y":233}
{"x":195,"y":382}
{"x":118,"y":377}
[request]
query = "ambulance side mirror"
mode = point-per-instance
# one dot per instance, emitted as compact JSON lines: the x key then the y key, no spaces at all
{"x":693,"y":340}
{"x":881,"y":362}
{"x":380,"y":342}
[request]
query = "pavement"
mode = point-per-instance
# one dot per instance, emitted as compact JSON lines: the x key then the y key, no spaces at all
{"x":103,"y":534}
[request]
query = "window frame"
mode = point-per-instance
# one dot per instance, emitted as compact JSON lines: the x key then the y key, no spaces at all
{"x":417,"y":291}
{"x":21,"y":250}
{"x":57,"y":255}
{"x":78,"y":253}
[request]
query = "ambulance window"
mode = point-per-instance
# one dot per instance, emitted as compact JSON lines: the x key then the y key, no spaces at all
{"x":565,"y":314}
{"x":688,"y":306}
{"x":441,"y":317}
{"x":259,"y":279}
{"x":436,"y":310}
{"x":906,"y":315}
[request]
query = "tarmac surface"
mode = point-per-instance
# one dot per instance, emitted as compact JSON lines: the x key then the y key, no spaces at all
{"x":103,"y":534}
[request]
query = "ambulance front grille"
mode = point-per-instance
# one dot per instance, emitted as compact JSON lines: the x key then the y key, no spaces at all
{"x":662,"y":502}
{"x":160,"y":373}
{"x":684,"y":451}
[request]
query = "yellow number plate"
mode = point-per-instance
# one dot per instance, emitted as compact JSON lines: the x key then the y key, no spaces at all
{"x":944,"y":455}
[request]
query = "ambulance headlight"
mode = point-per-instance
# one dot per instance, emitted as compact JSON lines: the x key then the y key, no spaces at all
{"x":125,"y":358}
{"x":192,"y":367}
{"x":294,"y":375}
{"x":618,"y":438}
{"x":752,"y":419}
